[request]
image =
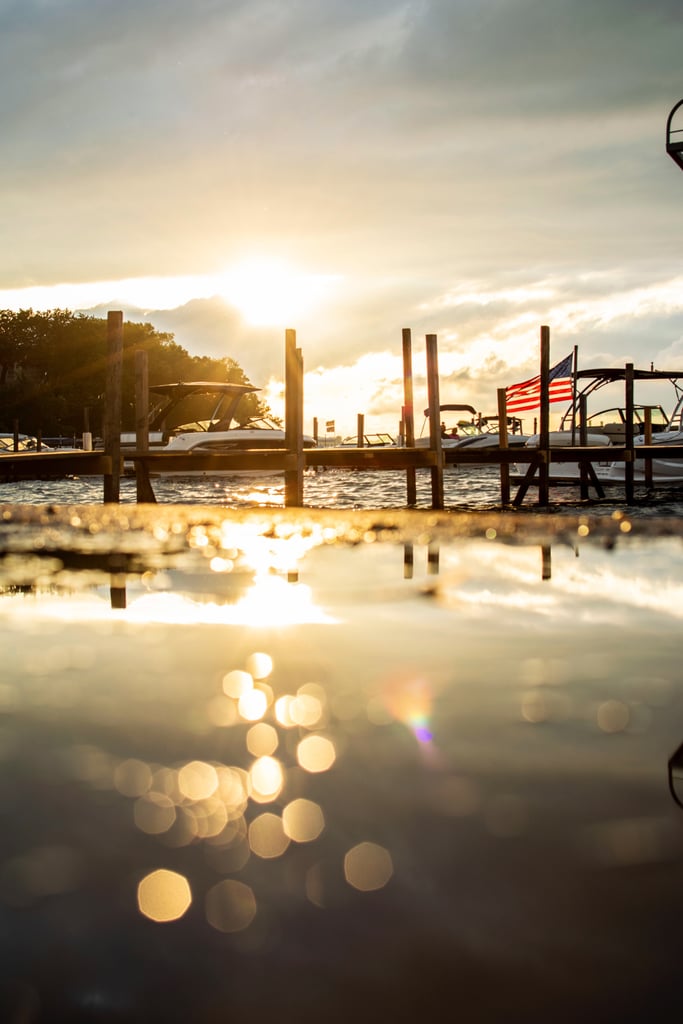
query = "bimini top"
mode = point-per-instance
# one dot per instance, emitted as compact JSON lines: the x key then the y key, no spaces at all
{"x":227,"y":397}
{"x":455,"y":408}
{"x":609,"y":374}
{"x":184,"y":388}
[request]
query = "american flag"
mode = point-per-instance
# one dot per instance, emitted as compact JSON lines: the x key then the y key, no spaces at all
{"x":527,"y":395}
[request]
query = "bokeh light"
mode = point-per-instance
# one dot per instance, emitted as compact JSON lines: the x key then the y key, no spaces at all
{"x":368,"y":866}
{"x":197,"y":780}
{"x":316,"y":753}
{"x":267,"y":837}
{"x":132,"y":777}
{"x":154,"y":813}
{"x":164,"y":895}
{"x":230,"y":906}
{"x":266,"y":778}
{"x":237,"y":683}
{"x":259,"y":665}
{"x":303,"y":820}
{"x":253,"y":705}
{"x":262,"y":739}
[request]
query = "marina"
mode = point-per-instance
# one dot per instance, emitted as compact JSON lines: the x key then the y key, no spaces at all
{"x":215,"y":447}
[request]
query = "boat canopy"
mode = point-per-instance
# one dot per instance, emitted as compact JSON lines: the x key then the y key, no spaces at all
{"x":228,"y":395}
{"x":589,"y":381}
{"x":455,"y":408}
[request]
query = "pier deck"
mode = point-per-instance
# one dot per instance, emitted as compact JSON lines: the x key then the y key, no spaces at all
{"x":149,"y":463}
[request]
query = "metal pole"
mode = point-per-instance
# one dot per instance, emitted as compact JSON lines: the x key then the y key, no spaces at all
{"x":544,"y":433}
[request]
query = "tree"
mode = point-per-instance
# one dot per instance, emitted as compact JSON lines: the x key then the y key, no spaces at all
{"x":53,"y":369}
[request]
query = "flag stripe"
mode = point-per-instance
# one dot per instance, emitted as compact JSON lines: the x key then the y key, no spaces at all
{"x":527,"y":395}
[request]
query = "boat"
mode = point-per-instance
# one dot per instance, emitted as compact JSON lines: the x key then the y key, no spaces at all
{"x":657,"y":472}
{"x":608,"y":428}
{"x":11,"y":443}
{"x":471,"y":432}
{"x":380,"y":440}
{"x":203,"y":418}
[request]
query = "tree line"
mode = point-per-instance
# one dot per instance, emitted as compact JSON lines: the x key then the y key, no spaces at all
{"x":53,"y":371}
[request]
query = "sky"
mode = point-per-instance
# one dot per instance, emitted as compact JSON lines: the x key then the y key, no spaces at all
{"x":474,"y":169}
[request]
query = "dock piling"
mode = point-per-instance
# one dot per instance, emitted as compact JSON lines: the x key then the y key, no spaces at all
{"x":434,"y":421}
{"x":294,"y":421}
{"x":112,"y":408}
{"x":503,"y":443}
{"x":408,"y":417}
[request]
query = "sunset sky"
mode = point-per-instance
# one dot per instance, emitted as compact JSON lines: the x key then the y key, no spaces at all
{"x":225,"y":169}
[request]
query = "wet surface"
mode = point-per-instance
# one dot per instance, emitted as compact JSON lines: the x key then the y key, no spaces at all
{"x":324,"y":766}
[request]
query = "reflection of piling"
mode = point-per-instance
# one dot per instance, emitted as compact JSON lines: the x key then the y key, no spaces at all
{"x":546,"y":571}
{"x":433,"y":559}
{"x":117,"y":592}
{"x":408,"y":561}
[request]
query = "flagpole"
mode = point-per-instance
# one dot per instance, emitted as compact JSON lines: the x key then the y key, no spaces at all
{"x":544,"y":438}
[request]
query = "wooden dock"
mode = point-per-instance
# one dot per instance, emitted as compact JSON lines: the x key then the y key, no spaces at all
{"x":293,"y":459}
{"x":148,"y":464}
{"x":53,"y":465}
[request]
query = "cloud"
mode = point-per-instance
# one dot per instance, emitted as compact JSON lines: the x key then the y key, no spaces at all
{"x":470,"y":168}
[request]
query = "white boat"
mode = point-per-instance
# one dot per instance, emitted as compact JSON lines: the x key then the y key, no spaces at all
{"x":662,"y":472}
{"x":11,"y":443}
{"x":215,"y":426}
{"x":471,"y":432}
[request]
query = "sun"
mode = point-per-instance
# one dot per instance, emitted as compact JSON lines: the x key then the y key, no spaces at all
{"x":272,"y":293}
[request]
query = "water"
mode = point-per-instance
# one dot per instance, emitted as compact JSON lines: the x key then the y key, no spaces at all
{"x":467,"y":490}
{"x":334,"y":764}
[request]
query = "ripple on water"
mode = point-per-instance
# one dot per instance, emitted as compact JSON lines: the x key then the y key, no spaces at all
{"x":465,"y":490}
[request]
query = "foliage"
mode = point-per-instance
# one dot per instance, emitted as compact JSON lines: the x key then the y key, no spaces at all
{"x":53,"y":371}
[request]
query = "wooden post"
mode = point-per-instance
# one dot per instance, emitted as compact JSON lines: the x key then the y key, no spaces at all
{"x":294,"y":420}
{"x":143,"y":484}
{"x":408,"y":413}
{"x":315,"y":429}
{"x":434,"y":421}
{"x":112,"y":404}
{"x":15,"y":430}
{"x":583,"y":441}
{"x":647,"y":412}
{"x":544,"y":432}
{"x":141,"y":401}
{"x":628,"y":465}
{"x":503,"y":443}
{"x":360,"y":429}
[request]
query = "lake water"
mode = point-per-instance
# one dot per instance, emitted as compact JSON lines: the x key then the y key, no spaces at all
{"x":464,"y":490}
{"x":337,"y":764}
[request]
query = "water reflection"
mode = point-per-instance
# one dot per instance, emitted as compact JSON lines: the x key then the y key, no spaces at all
{"x":427,"y":763}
